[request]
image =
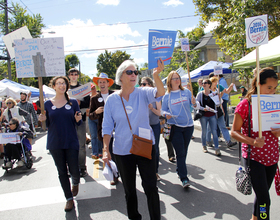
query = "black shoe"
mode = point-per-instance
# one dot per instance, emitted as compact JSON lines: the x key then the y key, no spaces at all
{"x":231,"y":144}
{"x":83,"y":173}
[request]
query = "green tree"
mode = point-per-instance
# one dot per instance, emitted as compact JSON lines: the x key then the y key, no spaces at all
{"x":71,"y":61}
{"x":17,"y":19}
{"x":108,"y":63}
{"x":230,"y":14}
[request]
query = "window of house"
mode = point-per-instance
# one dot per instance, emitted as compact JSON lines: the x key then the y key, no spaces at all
{"x":201,"y":56}
{"x":220,"y":54}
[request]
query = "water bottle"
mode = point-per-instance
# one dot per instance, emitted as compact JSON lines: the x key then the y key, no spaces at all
{"x":239,"y":173}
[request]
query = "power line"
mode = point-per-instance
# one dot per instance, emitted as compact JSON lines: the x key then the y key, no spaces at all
{"x":27,"y":7}
{"x":112,"y":48}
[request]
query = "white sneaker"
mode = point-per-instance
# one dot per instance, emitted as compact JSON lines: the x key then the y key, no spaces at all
{"x":220,"y":140}
{"x":20,"y":163}
{"x":9,"y":164}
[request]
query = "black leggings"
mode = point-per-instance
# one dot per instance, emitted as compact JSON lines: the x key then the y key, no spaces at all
{"x":261,"y":177}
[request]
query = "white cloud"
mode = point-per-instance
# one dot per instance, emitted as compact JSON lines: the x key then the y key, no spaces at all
{"x":83,"y":35}
{"x":108,"y":2}
{"x":211,"y":26}
{"x":139,"y":61}
{"x":188,"y":29}
{"x":173,"y":3}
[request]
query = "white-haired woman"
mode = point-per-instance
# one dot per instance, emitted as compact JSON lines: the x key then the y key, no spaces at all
{"x":136,"y":101}
{"x":13,"y":111}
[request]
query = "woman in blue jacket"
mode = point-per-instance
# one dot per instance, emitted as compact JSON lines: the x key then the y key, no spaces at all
{"x":176,"y":107}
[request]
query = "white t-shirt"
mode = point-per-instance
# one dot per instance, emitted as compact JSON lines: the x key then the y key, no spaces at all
{"x":105,"y":96}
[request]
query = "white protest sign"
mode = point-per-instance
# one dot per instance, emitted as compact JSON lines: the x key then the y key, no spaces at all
{"x":256,"y":31}
{"x":185,"y":46}
{"x":270,"y":112}
{"x":80,"y":92}
{"x":12,"y":138}
{"x":21,"y":33}
{"x":218,"y":70}
{"x":49,"y":50}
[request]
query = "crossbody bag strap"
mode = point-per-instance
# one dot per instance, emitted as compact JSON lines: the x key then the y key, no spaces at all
{"x":126,"y":115}
{"x":249,"y":146}
{"x":249,"y":134}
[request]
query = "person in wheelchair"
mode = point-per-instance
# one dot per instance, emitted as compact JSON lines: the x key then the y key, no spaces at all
{"x":14,"y":151}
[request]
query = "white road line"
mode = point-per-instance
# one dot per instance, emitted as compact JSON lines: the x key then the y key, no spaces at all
{"x":52,"y":195}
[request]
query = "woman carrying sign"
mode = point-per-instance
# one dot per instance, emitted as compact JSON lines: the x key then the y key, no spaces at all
{"x":264,"y":151}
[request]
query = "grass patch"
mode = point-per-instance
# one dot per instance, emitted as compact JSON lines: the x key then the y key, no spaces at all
{"x":234,"y":100}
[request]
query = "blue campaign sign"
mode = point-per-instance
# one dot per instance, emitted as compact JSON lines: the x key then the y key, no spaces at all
{"x":161,"y":45}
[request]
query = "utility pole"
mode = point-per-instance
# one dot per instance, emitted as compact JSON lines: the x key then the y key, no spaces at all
{"x":7,"y":31}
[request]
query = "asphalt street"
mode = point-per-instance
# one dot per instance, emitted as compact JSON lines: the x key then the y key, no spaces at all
{"x":36,"y":193}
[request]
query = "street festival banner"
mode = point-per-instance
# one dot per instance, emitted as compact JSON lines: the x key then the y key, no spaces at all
{"x":11,"y":138}
{"x":270,"y":112}
{"x":48,"y":53}
{"x":80,"y":92}
{"x":161,"y":45}
{"x":256,"y":31}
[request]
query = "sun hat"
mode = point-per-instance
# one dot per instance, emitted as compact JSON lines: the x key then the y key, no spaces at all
{"x":103,"y":76}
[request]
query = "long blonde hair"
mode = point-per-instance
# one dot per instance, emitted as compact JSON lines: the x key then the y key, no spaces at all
{"x":168,"y":81}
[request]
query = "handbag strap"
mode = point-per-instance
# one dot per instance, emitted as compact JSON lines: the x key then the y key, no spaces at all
{"x":126,"y":115}
{"x":249,"y":134}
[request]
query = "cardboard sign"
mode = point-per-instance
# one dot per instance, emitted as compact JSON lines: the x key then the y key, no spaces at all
{"x":21,"y":33}
{"x":39,"y":57}
{"x":185,"y":46}
{"x":80,"y":92}
{"x":218,"y":70}
{"x":9,"y":138}
{"x":256,"y":31}
{"x":270,"y":112}
{"x":161,"y":45}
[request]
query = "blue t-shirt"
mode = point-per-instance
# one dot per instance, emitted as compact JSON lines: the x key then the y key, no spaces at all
{"x":61,"y":126}
{"x":178,"y":104}
{"x":138,"y":114}
{"x":223,"y":82}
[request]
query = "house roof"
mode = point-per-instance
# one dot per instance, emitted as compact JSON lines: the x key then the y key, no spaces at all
{"x":206,"y":40}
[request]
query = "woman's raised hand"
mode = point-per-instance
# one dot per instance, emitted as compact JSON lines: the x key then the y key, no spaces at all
{"x":160,"y":67}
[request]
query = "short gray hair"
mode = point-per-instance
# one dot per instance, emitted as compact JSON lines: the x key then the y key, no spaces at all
{"x":125,"y":64}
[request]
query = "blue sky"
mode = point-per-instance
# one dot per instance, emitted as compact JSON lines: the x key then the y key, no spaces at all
{"x":98,"y":24}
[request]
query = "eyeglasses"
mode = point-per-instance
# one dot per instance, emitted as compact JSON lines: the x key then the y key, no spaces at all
{"x":205,"y":83}
{"x":60,"y":84}
{"x":73,"y":74}
{"x":144,"y":84}
{"x":8,"y":103}
{"x":175,"y":79}
{"x":129,"y":72}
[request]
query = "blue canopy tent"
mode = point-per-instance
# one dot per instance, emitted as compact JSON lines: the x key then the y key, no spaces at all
{"x":34,"y":91}
{"x":206,"y":69}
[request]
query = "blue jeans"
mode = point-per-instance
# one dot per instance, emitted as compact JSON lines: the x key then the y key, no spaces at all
{"x":156,"y":130}
{"x":225,"y":102}
{"x":64,"y":158}
{"x":222,"y":126}
{"x":95,"y":142}
{"x":212,"y":121}
{"x":180,"y":141}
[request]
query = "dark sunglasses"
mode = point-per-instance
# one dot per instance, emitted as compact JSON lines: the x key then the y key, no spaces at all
{"x":8,"y":103}
{"x":11,"y":124}
{"x":73,"y":74}
{"x":144,"y":84}
{"x":129,"y":72}
{"x":205,"y":83}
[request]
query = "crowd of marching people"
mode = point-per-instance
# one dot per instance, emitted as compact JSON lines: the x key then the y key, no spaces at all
{"x":115,"y":118}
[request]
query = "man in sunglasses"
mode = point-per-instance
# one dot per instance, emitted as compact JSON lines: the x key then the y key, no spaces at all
{"x":27,"y":106}
{"x":73,"y":75}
